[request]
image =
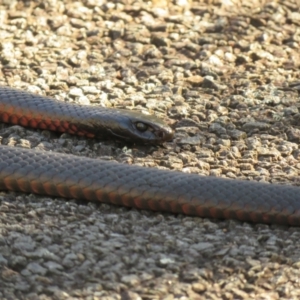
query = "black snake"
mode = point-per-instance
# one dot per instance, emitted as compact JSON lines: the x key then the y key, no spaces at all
{"x":70,"y":176}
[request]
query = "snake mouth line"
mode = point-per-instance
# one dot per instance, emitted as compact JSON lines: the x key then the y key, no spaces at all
{"x":118,"y":135}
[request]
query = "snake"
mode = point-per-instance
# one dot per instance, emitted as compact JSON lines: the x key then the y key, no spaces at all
{"x":91,"y":179}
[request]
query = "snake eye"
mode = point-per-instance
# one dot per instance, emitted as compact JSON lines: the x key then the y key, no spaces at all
{"x":141,"y":126}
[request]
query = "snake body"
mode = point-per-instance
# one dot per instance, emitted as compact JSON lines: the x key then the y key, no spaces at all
{"x":70,"y":176}
{"x":31,"y":110}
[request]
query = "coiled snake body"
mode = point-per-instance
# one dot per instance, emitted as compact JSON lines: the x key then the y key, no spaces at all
{"x":70,"y":176}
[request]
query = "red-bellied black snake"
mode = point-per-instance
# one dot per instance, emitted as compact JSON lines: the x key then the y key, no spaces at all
{"x":69,"y":176}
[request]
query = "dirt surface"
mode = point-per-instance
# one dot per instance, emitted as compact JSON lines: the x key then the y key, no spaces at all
{"x":225,"y":76}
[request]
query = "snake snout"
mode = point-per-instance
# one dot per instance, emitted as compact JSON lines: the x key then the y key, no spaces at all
{"x":165,"y":135}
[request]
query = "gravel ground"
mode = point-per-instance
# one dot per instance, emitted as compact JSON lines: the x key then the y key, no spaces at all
{"x":225,"y":76}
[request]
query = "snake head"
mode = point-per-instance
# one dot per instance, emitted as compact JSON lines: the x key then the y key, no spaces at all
{"x":134,"y":126}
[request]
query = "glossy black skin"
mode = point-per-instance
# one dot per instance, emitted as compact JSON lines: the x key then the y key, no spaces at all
{"x":132,"y":126}
{"x":92,"y":179}
{"x":70,"y":176}
{"x":31,"y":110}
